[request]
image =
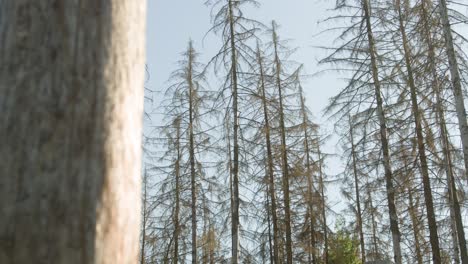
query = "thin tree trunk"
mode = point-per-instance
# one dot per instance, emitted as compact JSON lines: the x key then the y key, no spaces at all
{"x":374,"y":226}
{"x":324,"y":205}
{"x":415,"y":227}
{"x":193,"y":186}
{"x":71,"y":98}
{"x":309,"y":176}
{"x":235,"y":167}
{"x":143,"y":227}
{"x":457,"y":90}
{"x":462,"y":122}
{"x":396,"y":236}
{"x":177,"y":194}
{"x":284,"y":154}
{"x":358,"y":198}
{"x":270,"y":168}
{"x":433,"y":234}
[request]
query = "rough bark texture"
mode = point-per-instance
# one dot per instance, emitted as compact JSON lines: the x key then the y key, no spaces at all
{"x":396,"y":237}
{"x":71,"y":97}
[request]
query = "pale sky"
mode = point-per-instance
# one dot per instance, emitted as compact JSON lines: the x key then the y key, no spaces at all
{"x":171,"y":23}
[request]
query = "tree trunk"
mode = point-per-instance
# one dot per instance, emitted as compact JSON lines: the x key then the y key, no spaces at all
{"x":175,"y":257}
{"x":309,"y":175}
{"x":433,"y":234}
{"x":284,"y":154}
{"x":145,"y":217}
{"x":358,"y":198}
{"x":396,"y":236}
{"x":415,"y":227}
{"x":235,"y":167}
{"x":71,"y":97}
{"x":193,"y":187}
{"x":271,"y":176}
{"x":456,"y":86}
{"x":324,"y":205}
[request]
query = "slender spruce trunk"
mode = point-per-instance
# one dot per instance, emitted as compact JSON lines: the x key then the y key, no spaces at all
{"x":271,"y":176}
{"x":235,"y":167}
{"x":433,"y":234}
{"x":305,"y":121}
{"x":284,"y":154}
{"x":324,"y":205}
{"x":457,"y":90}
{"x":394,"y":228}
{"x":358,"y":198}
{"x":175,"y":256}
{"x":193,"y":186}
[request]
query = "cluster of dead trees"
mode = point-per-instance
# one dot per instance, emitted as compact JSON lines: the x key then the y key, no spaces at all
{"x":404,"y":128}
{"x":240,"y":169}
{"x":235,"y":173}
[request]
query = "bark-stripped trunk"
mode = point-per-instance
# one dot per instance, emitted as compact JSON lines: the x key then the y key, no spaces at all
{"x":71,"y":98}
{"x":284,"y":154}
{"x":193,"y":187}
{"x":433,"y":234}
{"x":270,"y":168}
{"x":235,"y":167}
{"x":310,"y":191}
{"x":456,"y":86}
{"x":390,"y":189}
{"x":175,"y":238}
{"x":358,"y":198}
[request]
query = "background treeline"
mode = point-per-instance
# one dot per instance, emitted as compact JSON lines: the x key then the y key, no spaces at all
{"x":235,"y":171}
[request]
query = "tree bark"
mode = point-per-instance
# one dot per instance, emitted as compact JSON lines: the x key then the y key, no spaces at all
{"x":71,"y":97}
{"x":396,"y":236}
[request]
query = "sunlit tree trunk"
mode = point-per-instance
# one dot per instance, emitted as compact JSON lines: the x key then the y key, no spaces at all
{"x":71,"y":98}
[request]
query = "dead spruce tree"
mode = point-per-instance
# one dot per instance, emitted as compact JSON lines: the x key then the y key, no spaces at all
{"x":235,"y":30}
{"x":70,"y":133}
{"x":364,"y":92}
